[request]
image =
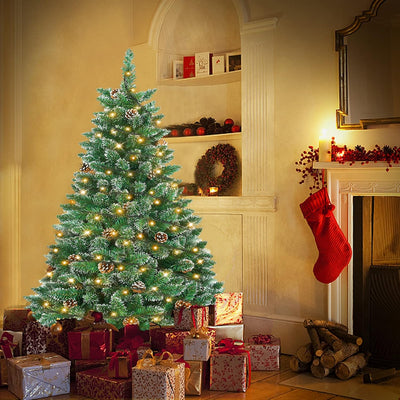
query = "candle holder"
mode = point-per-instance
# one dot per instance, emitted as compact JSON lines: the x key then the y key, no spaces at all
{"x":213,"y":190}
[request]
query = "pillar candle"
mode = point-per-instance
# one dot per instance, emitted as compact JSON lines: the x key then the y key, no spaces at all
{"x":324,"y":149}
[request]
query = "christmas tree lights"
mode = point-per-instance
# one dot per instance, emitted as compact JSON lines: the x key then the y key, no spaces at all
{"x":126,"y":244}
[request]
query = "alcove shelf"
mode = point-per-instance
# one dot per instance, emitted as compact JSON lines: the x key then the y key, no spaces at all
{"x":217,"y":79}
{"x":205,"y":138}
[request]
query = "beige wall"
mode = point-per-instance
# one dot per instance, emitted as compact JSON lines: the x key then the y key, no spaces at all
{"x":54,"y":57}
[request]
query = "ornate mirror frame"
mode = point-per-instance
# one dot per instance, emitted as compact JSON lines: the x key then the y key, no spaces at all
{"x":341,"y":48}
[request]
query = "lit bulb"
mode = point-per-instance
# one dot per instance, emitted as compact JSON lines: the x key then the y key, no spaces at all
{"x":72,"y":202}
{"x":154,"y":288}
{"x":168,"y":299}
{"x":55,"y":250}
{"x":190,"y":225}
{"x":64,"y":262}
{"x":165,"y":273}
{"x":200,"y":261}
{"x":156,"y":319}
{"x":133,"y":157}
{"x":97,"y":217}
{"x":121,"y":267}
{"x":152,"y":223}
{"x":132,"y":90}
{"x":129,"y":197}
{"x":142,"y":269}
{"x":113,"y":314}
{"x":118,"y":146}
{"x":97,"y":281}
{"x":159,"y":154}
{"x":64,"y":310}
{"x":49,"y":274}
{"x":125,"y":292}
{"x":157,"y":171}
{"x":177,"y":252}
{"x":173,"y":228}
{"x":120,"y":211}
{"x":154,"y":247}
{"x":127,"y":129}
{"x":60,"y":234}
{"x":87,"y":232}
{"x":102,"y":188}
{"x":112,"y":114}
{"x":195,"y":249}
{"x":174,"y":185}
{"x":178,"y":210}
{"x":99,"y":135}
{"x":140,"y":139}
{"x":85,"y":180}
{"x":127,"y":73}
{"x":108,"y":172}
{"x":157,"y":202}
{"x":140,"y":236}
{"x":196,"y":276}
{"x":130,"y":174}
{"x":98,"y":257}
{"x":83,"y":192}
{"x":126,"y":242}
{"x":113,"y":131}
{"x":158,"y":122}
{"x":151,"y":192}
{"x":46,"y":304}
{"x":71,"y":280}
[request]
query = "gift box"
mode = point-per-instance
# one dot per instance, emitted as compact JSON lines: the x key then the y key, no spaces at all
{"x":230,"y":368}
{"x":57,"y":342}
{"x":264,"y":352}
{"x":3,"y":369}
{"x":15,"y":318}
{"x":196,"y":374}
{"x":35,"y":338}
{"x":158,"y":378}
{"x":196,"y":349}
{"x":186,"y":318}
{"x":96,"y":384}
{"x":167,"y":338}
{"x":16,"y":338}
{"x":133,"y":338}
{"x":7,"y":347}
{"x":133,"y":331}
{"x":84,"y":365}
{"x":38,"y":376}
{"x":120,"y":364}
{"x":228,"y":309}
{"x":234,"y":332}
{"x":89,"y":345}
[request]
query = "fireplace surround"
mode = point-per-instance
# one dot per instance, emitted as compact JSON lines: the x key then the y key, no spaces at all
{"x":344,"y":182}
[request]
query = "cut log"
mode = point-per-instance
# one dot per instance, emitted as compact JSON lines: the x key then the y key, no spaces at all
{"x":297,"y":366}
{"x":318,"y":323}
{"x":350,"y":366}
{"x":319,"y":371}
{"x":304,"y":353}
{"x":329,"y":359}
{"x":330,"y":338}
{"x":379,"y":376}
{"x":316,"y":343}
{"x":316,"y":361}
{"x":347,"y":337}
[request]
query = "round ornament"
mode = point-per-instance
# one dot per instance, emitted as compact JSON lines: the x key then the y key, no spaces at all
{"x":228,"y":121}
{"x":138,"y":287}
{"x":70,"y":303}
{"x":130,"y":114}
{"x":235,"y":128}
{"x":187,"y":132}
{"x":105,"y":267}
{"x":109,"y":233}
{"x":114,"y":93}
{"x":98,"y":316}
{"x":204,"y":173}
{"x":161,"y":237}
{"x":56,"y":328}
{"x":174,"y":132}
{"x":200,"y":131}
{"x":130,"y":321}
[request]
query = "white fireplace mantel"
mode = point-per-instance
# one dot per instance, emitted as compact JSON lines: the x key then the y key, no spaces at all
{"x":344,"y":181}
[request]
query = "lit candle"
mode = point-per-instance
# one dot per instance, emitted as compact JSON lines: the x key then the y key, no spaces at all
{"x":213,"y":190}
{"x":324,"y":147}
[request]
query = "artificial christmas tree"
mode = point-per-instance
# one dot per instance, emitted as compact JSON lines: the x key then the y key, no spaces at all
{"x":126,"y":245}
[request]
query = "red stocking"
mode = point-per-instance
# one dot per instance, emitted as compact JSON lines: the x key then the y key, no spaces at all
{"x":334,"y":249}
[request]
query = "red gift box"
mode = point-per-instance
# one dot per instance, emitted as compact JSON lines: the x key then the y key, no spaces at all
{"x":35,"y":338}
{"x":228,"y":309}
{"x":186,"y":318}
{"x":84,"y":365}
{"x":15,"y":318}
{"x":167,"y":338}
{"x":120,"y":364}
{"x":230,"y":368}
{"x":89,"y":345}
{"x":264,"y":352}
{"x":96,"y":384}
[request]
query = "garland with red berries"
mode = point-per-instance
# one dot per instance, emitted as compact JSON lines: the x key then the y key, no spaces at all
{"x":341,"y":155}
{"x":226,"y":155}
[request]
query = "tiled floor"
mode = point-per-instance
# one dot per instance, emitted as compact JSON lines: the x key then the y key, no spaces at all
{"x":265,"y":386}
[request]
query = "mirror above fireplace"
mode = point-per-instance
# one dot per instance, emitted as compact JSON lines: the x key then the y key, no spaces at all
{"x":369,"y":60}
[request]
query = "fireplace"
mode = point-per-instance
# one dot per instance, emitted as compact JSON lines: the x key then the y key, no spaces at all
{"x":345,"y":185}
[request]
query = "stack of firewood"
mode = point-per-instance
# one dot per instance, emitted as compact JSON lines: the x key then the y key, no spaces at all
{"x":331,"y":350}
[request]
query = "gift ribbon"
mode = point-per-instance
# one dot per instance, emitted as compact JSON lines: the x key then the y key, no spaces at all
{"x":45,"y":361}
{"x":7,"y":345}
{"x":261,"y":339}
{"x":115,"y":359}
{"x":230,"y":346}
{"x":201,"y":333}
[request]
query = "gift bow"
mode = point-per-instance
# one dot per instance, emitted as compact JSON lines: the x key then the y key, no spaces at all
{"x":261,"y":339}
{"x":230,"y":346}
{"x":7,"y":345}
{"x":199,"y":333}
{"x":114,"y":362}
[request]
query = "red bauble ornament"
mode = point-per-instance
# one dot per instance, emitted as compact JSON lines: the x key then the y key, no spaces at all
{"x":201,"y":131}
{"x":228,"y":121}
{"x":235,"y":128}
{"x":187,"y":132}
{"x":174,"y":132}
{"x":98,"y":316}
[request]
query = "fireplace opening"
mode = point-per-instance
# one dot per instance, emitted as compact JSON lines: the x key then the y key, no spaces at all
{"x":376,"y":277}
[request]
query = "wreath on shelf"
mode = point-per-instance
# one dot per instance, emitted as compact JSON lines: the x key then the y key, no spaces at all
{"x":204,"y":177}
